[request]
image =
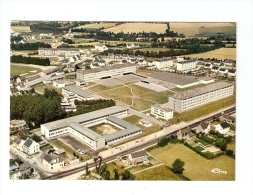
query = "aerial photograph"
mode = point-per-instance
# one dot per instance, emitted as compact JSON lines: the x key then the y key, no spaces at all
{"x":122,"y":100}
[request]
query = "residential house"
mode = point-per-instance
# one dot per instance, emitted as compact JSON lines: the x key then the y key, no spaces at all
{"x":231,"y":73}
{"x":131,"y":57}
{"x":215,"y":69}
{"x":139,"y":57}
{"x":203,"y":127}
{"x":132,"y":45}
{"x":209,"y":66}
{"x":52,"y":162}
{"x":24,"y":168}
{"x":99,"y":61}
{"x":228,"y":118}
{"x":223,"y":70}
{"x":20,"y":124}
{"x":207,"y":62}
{"x":185,"y":134}
{"x":216,"y":62}
{"x":180,"y":59}
{"x":14,"y":91}
{"x":117,"y":56}
{"x":110,"y":64}
{"x":125,"y":56}
{"x":222,"y":128}
{"x":145,"y":123}
{"x":162,"y":111}
{"x":11,"y":83}
{"x":151,"y":63}
{"x":94,"y":65}
{"x":99,"y":47}
{"x":132,"y":61}
{"x":228,"y":62}
{"x":123,"y":61}
{"x":110,"y":56}
{"x":30,"y":146}
{"x":142,"y":62}
{"x":138,"y":157}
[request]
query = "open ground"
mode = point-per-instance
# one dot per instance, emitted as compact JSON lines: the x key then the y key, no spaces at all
{"x":197,"y":168}
{"x":23,"y":70}
{"x":21,"y":28}
{"x":97,"y":26}
{"x":104,"y":129}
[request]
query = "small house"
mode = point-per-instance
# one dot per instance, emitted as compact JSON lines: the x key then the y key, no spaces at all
{"x":222,"y":128}
{"x":138,"y":157}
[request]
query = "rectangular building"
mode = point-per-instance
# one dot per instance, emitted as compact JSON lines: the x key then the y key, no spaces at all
{"x":184,"y":101}
{"x":164,"y":63}
{"x":109,"y":71}
{"x":186,"y":65}
{"x":73,"y":92}
{"x":68,"y":52}
{"x":162,"y":111}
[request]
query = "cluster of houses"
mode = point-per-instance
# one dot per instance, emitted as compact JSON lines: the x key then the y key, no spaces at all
{"x":227,"y":62}
{"x":220,"y":70}
{"x":27,"y":146}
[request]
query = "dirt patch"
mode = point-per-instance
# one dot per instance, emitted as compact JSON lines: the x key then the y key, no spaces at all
{"x":104,"y":129}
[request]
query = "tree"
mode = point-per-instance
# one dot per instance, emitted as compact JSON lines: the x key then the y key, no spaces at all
{"x":107,"y":175}
{"x":126,"y":175}
{"x":230,"y":152}
{"x":99,"y":164}
{"x":163,"y":142}
{"x":87,"y":171}
{"x":116,"y":174}
{"x":178,"y":166}
{"x":103,"y":168}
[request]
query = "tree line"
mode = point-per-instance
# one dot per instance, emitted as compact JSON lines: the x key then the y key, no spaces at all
{"x":29,"y":46}
{"x":30,"y":60}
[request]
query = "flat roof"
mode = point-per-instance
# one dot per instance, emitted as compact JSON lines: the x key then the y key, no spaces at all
{"x":164,"y":107}
{"x":78,"y":91}
{"x":201,"y":90}
{"x":83,"y":117}
{"x":106,"y":68}
{"x":174,"y":78}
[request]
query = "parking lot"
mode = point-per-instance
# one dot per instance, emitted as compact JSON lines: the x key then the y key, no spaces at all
{"x":74,"y":144}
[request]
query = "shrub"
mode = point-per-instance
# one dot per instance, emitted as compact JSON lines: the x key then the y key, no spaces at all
{"x":230,"y":152}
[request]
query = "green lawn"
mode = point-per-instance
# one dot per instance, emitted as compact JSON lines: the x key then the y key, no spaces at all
{"x":157,"y":173}
{"x":203,"y":142}
{"x":60,"y":145}
{"x":140,"y":167}
{"x":159,"y":97}
{"x":140,"y":104}
{"x":197,"y":168}
{"x":41,"y":87}
{"x":199,"y":148}
{"x":137,"y":90}
{"x":99,"y":88}
{"x":44,"y":148}
{"x":203,"y":110}
{"x":19,"y":69}
{"x":151,"y":130}
{"x":132,"y":119}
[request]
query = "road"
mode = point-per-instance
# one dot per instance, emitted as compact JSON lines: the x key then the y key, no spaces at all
{"x":135,"y":145}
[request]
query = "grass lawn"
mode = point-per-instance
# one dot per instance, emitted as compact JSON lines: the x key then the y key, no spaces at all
{"x":151,"y":130}
{"x":41,"y":87}
{"x":21,"y":28}
{"x":132,"y":119}
{"x":137,"y":90}
{"x":140,"y":167}
{"x":199,"y":148}
{"x":157,"y":173}
{"x":159,"y":97}
{"x":231,"y":146}
{"x":203,"y":142}
{"x":58,"y":144}
{"x":196,"y":167}
{"x":140,"y":104}
{"x":44,"y":148}
{"x":18,"y":70}
{"x":205,"y":109}
{"x":99,"y":88}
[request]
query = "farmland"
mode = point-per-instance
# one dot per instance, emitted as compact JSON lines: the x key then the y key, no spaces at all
{"x":21,"y":29}
{"x":192,"y":29}
{"x":193,"y":162}
{"x":138,"y":27}
{"x":222,"y":53}
{"x":96,"y":26}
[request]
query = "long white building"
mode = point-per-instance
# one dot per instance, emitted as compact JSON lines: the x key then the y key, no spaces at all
{"x":68,"y":52}
{"x":78,"y":127}
{"x":184,"y":101}
{"x":109,"y":71}
{"x":164,"y":63}
{"x":186,"y":65}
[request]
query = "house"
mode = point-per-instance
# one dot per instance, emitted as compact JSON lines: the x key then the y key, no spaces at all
{"x":110,"y":64}
{"x":59,"y":83}
{"x":32,"y":78}
{"x":180,"y":59}
{"x":14,"y":91}
{"x":99,"y":47}
{"x":20,"y":79}
{"x":131,"y":57}
{"x":164,"y":63}
{"x":215,"y":69}
{"x":151,"y":63}
{"x":228,"y":62}
{"x":60,"y":152}
{"x":19,"y":124}
{"x":140,"y":57}
{"x":23,"y":169}
{"x":222,"y":128}
{"x":110,"y":56}
{"x":123,"y":62}
{"x":79,"y":82}
{"x":231,"y":73}
{"x":162,"y":111}
{"x":72,"y":59}
{"x":223,"y":70}
{"x":185,"y":134}
{"x":203,"y":127}
{"x":94,"y":65}
{"x":30,"y":147}
{"x":228,"y":118}
{"x":132,"y":61}
{"x":138,"y":157}
{"x":16,"y":142}
{"x":132,"y":45}
{"x":142,"y":62}
{"x":145,"y":123}
{"x":117,"y":56}
{"x":207,"y":62}
{"x":99,"y":61}
{"x":21,"y":86}
{"x":209,"y":66}
{"x":51,"y":161}
{"x":125,"y":56}
{"x":60,"y":72}
{"x":11,"y":83}
{"x":216,"y":62}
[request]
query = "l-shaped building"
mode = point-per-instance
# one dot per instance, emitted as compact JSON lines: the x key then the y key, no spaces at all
{"x":78,"y":127}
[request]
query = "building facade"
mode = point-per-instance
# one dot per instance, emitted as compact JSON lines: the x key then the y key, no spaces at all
{"x":164,"y":63}
{"x":68,"y":52}
{"x":110,"y":71}
{"x":184,"y":101}
{"x":186,"y":65}
{"x":162,"y":111}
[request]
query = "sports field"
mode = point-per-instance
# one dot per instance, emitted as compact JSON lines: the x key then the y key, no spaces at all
{"x":21,"y":29}
{"x":19,"y":70}
{"x":220,"y":54}
{"x":138,"y":27}
{"x":196,"y":167}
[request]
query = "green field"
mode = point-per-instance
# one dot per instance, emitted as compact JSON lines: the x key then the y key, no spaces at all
{"x":203,"y":110}
{"x":99,"y":88}
{"x":140,"y":167}
{"x":196,"y":167}
{"x":41,"y":87}
{"x":141,"y":104}
{"x":132,"y":119}
{"x":158,"y":173}
{"x":159,"y":97}
{"x":19,"y":69}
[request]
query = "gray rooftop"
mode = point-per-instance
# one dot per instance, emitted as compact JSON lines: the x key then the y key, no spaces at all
{"x":139,"y":154}
{"x":106,"y":68}
{"x":78,"y":91}
{"x":28,"y":143}
{"x":82,"y":118}
{"x":201,"y":90}
{"x":188,"y":61}
{"x":85,"y":131}
{"x":48,"y":158}
{"x":174,"y":78}
{"x":164,"y":107}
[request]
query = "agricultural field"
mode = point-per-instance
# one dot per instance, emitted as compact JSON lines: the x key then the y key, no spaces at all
{"x":138,"y":27}
{"x":96,"y":26}
{"x":194,"y":161}
{"x":153,"y":49}
{"x":193,"y":29}
{"x":20,"y":70}
{"x":21,"y":29}
{"x":220,"y":54}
